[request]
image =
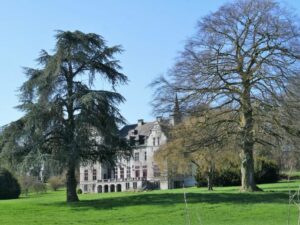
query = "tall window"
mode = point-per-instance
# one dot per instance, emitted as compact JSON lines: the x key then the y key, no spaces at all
{"x":86,"y":175}
{"x":94,"y":174}
{"x":85,"y":187}
{"x":144,"y":171}
{"x":145,"y":156}
{"x":128,"y":172}
{"x":153,"y":141}
{"x":116,"y":172}
{"x":122,"y":172}
{"x":158,"y":141}
{"x":136,"y":156}
{"x":137,"y":171}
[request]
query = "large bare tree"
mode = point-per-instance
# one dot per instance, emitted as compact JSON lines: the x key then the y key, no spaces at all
{"x":239,"y":61}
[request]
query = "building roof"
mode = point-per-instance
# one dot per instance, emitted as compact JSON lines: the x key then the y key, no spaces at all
{"x":143,"y":129}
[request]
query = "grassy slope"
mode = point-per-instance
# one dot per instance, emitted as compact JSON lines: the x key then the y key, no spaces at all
{"x":223,"y":206}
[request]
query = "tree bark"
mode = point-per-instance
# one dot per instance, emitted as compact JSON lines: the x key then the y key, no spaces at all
{"x":247,"y":136}
{"x":210,"y":182}
{"x":71,"y":183}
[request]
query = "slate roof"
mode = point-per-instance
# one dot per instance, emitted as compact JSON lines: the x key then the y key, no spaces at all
{"x":143,"y":129}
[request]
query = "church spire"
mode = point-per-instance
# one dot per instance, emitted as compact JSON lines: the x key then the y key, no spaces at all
{"x":176,"y":111}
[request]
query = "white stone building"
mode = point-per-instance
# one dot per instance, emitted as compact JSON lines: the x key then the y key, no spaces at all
{"x":140,"y":172}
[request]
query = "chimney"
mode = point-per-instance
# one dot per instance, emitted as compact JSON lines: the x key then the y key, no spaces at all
{"x":140,"y":122}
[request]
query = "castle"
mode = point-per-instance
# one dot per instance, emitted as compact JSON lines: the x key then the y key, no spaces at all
{"x":139,"y":172}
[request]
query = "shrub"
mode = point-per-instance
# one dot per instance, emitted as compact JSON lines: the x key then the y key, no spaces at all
{"x":26,"y":183}
{"x":79,"y":191}
{"x":9,"y":186}
{"x":39,"y":187}
{"x":266,"y":171}
{"x":56,"y":182}
{"x":228,"y":177}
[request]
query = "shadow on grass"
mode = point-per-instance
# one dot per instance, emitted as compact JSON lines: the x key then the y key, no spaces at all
{"x":169,"y":199}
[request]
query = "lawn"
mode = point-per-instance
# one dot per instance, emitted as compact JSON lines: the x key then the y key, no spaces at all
{"x":220,"y":207}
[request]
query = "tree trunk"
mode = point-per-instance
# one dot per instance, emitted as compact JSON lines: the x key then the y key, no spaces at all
{"x":209,"y":182}
{"x":71,"y":184}
{"x":247,"y":136}
{"x":210,"y":178}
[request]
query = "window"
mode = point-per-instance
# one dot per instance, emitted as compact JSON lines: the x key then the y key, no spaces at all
{"x":85,"y":188}
{"x":116,"y":172}
{"x":122,"y":172}
{"x":145,"y":156}
{"x":94,"y":174}
{"x":93,"y":188}
{"x":86,"y":175}
{"x":134,"y":185}
{"x":128,"y":172}
{"x":144,"y":171}
{"x":158,"y":141}
{"x":136,"y":156}
{"x":153,"y":141}
{"x":127,"y":186}
{"x":137,"y":171}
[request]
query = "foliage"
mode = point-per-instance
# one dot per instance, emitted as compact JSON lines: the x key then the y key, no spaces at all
{"x":190,"y":143}
{"x":79,"y":191}
{"x":39,"y":187}
{"x":56,"y":182}
{"x":9,"y":186}
{"x":266,"y":171}
{"x":31,"y":184}
{"x":66,"y":119}
{"x":26,"y":183}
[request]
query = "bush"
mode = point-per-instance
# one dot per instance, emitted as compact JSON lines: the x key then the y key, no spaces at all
{"x":266,"y":171}
{"x":30,"y":183}
{"x":9,"y":186}
{"x":39,"y":187}
{"x":229,"y":177}
{"x":26,"y":183}
{"x":56,"y":182}
{"x":79,"y":191}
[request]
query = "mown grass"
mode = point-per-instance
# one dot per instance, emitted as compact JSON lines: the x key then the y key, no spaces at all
{"x":222,"y":206}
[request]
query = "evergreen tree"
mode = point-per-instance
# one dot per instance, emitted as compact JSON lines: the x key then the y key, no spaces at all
{"x":64,"y":114}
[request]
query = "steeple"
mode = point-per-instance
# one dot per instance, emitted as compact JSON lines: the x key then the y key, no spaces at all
{"x":176,"y":111}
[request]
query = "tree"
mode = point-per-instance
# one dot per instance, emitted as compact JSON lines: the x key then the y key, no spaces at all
{"x":65,"y":118}
{"x":192,"y":143}
{"x":239,"y":61}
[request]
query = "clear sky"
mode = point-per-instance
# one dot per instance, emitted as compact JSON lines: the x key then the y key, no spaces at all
{"x":152,"y":32}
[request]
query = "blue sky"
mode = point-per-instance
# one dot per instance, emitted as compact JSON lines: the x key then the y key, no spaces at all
{"x":152,"y":32}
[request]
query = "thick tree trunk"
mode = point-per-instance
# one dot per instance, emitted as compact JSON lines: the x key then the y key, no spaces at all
{"x":247,"y":135}
{"x":71,"y":184}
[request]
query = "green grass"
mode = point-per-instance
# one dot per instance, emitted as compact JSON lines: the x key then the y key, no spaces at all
{"x":220,"y":207}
